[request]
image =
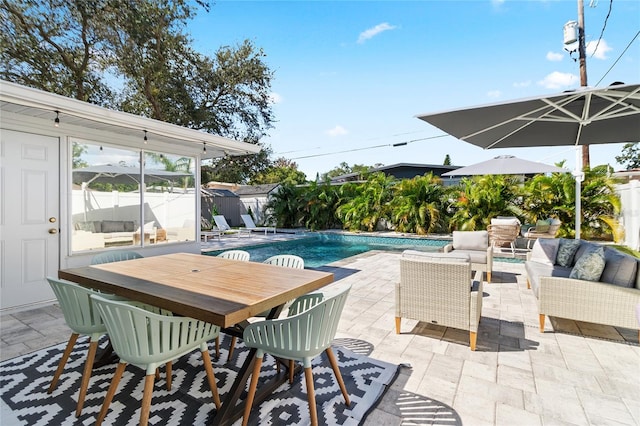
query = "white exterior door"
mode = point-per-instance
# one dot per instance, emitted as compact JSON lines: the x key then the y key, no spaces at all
{"x":29,"y":218}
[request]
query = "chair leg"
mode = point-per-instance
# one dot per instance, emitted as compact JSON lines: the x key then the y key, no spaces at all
{"x":86,"y":375}
{"x":292,"y":366}
{"x":488,"y":277}
{"x":541,"y":319}
{"x":112,"y":390}
{"x":472,"y":340}
{"x":206,"y":359}
{"x":169,"y":371}
{"x":528,"y":284}
{"x":336,"y":372}
{"x":398,"y":325}
{"x":146,"y":399}
{"x":218,"y":347}
{"x":231,"y":347}
{"x":311,"y":396}
{"x":252,"y":391}
{"x":63,"y":361}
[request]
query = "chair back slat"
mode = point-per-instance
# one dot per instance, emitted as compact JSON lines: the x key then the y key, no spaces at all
{"x":286,"y":260}
{"x":77,"y":307}
{"x":115,"y":256}
{"x":235,"y":255}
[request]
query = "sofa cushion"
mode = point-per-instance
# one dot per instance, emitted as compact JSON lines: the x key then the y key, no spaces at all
{"x":470,"y":240}
{"x":129,"y":225}
{"x":112,"y":226}
{"x":584,"y":247}
{"x":90,"y":226}
{"x":545,"y":250}
{"x":535,"y":270}
{"x":474,"y":255}
{"x":543,"y":225}
{"x":619,"y":269}
{"x":566,"y":251}
{"x":590,"y":265}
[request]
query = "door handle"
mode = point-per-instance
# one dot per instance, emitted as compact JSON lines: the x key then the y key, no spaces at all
{"x":53,"y":231}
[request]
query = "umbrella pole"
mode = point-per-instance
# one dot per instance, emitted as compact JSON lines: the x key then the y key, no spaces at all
{"x":579,"y":176}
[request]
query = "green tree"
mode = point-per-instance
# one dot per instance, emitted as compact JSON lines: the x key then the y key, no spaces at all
{"x":417,"y":203}
{"x":481,"y":198}
{"x":447,"y":160}
{"x":281,"y":171}
{"x":345,"y":169}
{"x":370,"y":205}
{"x":630,"y":156}
{"x":76,"y":158}
{"x":284,"y":207}
{"x":319,"y":204}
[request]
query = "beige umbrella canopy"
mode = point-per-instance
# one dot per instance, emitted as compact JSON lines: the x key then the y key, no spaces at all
{"x":505,"y":165}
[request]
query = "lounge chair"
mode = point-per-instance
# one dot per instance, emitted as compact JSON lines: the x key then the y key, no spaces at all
{"x":249,"y":223}
{"x":224,"y":228}
{"x":542,"y":229}
{"x":504,"y":231}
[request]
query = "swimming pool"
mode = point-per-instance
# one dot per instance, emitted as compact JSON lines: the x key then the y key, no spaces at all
{"x":321,"y":249}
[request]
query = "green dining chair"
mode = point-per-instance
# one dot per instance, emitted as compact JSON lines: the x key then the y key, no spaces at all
{"x":83,"y":319}
{"x":243,"y":256}
{"x":284,"y":260}
{"x":301,"y":337}
{"x":147,"y":339}
{"x":115,"y":256}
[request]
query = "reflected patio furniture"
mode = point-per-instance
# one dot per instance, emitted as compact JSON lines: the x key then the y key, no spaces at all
{"x":300,"y":337}
{"x":437,"y":288}
{"x":250,"y":224}
{"x":114,"y":256}
{"x":475,"y":244}
{"x":148,"y":340}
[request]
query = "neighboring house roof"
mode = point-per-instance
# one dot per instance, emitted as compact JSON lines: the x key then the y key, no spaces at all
{"x":401,"y":171}
{"x":249,"y":190}
{"x":218,"y":193}
{"x":78,"y":118}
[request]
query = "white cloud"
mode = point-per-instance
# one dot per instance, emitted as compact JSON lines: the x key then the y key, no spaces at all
{"x":603,"y":48}
{"x":275,"y":98}
{"x":337,"y":131}
{"x":519,"y":84}
{"x":494,"y":94}
{"x":559,"y":80}
{"x":554,"y":57}
{"x":372,"y":32}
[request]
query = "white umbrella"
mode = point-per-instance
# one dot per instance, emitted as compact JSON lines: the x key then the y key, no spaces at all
{"x":582,"y":117}
{"x":122,"y":175}
{"x":505,"y":165}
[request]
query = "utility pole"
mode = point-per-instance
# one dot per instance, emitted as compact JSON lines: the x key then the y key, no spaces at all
{"x":583,"y":70}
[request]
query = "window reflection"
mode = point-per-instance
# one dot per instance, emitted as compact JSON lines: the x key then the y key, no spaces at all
{"x":114,"y":205}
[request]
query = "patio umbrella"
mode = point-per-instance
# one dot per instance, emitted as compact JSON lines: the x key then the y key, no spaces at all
{"x":505,"y":165}
{"x":581,"y":117}
{"x":123,"y":175}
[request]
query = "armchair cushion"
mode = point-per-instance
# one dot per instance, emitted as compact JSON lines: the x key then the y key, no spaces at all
{"x":543,"y":225}
{"x":470,"y":240}
{"x":436,"y":257}
{"x":566,"y":251}
{"x":590,"y":265}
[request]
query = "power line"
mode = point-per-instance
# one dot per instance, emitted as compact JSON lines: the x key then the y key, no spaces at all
{"x":619,"y":57}
{"x":370,"y":147}
{"x":603,"y":27}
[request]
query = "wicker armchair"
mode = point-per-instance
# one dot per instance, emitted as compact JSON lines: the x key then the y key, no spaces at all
{"x":437,"y":288}
{"x":504,"y":231}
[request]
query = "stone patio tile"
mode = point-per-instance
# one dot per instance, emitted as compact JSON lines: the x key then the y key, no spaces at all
{"x":10,"y":351}
{"x":480,"y":371}
{"x":565,"y":376}
{"x":475,"y":408}
{"x":554,"y":399}
{"x":515,"y":378}
{"x":445,"y":367}
{"x":601,"y":406}
{"x":491,"y":391}
{"x":515,"y":359}
{"x":633,"y":405}
{"x":439,"y":389}
{"x":507,"y":415}
{"x":21,"y":335}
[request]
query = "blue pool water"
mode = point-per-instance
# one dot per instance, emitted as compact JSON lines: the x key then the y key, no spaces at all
{"x":322,"y":249}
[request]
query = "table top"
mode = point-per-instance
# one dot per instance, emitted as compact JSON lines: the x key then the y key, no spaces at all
{"x":221,"y":291}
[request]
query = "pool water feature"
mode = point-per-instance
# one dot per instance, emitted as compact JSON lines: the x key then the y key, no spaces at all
{"x":322,"y":249}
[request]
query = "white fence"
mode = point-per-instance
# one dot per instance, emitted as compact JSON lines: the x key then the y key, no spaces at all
{"x":630,"y":215}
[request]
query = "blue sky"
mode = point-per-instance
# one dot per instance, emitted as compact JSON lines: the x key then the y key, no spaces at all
{"x":352,"y":76}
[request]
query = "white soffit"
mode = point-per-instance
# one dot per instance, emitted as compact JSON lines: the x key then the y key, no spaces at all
{"x":17,"y":100}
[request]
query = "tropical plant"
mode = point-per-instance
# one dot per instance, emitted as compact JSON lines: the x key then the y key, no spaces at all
{"x":417,"y":203}
{"x":319,"y":206}
{"x":284,"y":207}
{"x":369,"y":206}
{"x":481,"y":198}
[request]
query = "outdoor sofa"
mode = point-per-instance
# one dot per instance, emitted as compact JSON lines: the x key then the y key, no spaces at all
{"x":474,"y":244}
{"x":584,"y":281}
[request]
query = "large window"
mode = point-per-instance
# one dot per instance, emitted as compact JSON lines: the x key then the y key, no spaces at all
{"x":116,"y":202}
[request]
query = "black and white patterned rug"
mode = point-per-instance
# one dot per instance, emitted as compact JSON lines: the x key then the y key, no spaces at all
{"x":24,"y":381}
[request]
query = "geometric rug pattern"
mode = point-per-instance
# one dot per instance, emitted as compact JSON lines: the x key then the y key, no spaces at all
{"x":24,"y":382}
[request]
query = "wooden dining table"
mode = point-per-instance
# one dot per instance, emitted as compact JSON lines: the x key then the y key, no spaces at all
{"x":220,"y":291}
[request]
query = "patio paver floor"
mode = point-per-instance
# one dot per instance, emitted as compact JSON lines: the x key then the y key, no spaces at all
{"x":579,"y":374}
